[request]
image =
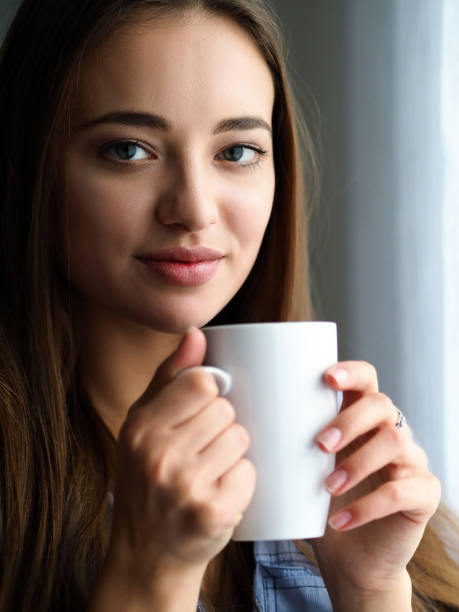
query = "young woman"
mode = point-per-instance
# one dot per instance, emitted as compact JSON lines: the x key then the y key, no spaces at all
{"x":151,"y":182}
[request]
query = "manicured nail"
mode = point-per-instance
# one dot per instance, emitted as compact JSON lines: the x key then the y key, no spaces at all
{"x":336,"y":480}
{"x":340,"y":520}
{"x":340,"y":375}
{"x":330,"y":438}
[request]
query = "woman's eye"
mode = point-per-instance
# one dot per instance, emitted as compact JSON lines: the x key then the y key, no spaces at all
{"x":127,"y":151}
{"x":243,"y":154}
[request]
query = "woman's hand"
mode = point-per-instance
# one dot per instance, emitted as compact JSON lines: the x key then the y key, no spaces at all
{"x":383,"y":494}
{"x":182,"y":480}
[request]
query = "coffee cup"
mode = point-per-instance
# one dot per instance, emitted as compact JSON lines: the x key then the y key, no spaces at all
{"x":272,"y":373}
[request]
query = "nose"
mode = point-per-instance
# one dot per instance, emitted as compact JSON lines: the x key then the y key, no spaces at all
{"x":188,"y":200}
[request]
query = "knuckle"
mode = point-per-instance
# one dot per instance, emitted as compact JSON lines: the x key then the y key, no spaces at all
{"x":408,"y":447}
{"x":129,"y":436}
{"x":372,"y":373}
{"x":251,"y":477}
{"x":436,"y":486}
{"x":249,"y":472}
{"x":249,"y":467}
{"x":384,"y":399}
{"x":140,"y":429}
{"x":394,"y":489}
{"x":201,"y":382}
{"x":158,"y":469}
{"x":411,"y":453}
{"x":215,"y":515}
{"x":185,"y":485}
{"x":225,"y":410}
{"x":419,"y":454}
{"x":432,"y":501}
{"x":368,"y":369}
{"x":424,"y":459}
{"x":161,"y":466}
{"x":396,"y":438}
{"x":240,"y":435}
{"x":134,"y":436}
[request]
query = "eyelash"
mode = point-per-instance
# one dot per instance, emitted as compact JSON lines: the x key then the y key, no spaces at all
{"x":261,"y":153}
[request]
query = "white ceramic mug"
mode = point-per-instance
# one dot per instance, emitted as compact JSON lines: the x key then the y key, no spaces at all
{"x":277,"y":389}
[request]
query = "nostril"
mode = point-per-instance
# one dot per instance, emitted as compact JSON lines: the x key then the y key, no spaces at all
{"x":188,"y":213}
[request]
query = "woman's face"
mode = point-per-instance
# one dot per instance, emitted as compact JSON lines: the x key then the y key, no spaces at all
{"x":168,"y":178}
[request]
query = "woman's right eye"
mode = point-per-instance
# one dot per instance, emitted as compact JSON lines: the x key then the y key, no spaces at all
{"x":126,"y":151}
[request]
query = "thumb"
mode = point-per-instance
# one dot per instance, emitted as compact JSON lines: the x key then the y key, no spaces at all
{"x":190,"y":352}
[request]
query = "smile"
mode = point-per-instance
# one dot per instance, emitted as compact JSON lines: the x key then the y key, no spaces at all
{"x":183,"y":267}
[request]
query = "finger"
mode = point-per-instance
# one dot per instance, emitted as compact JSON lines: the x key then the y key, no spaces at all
{"x":236,"y":487}
{"x":181,"y":400}
{"x":417,"y":498}
{"x":353,"y":378}
{"x":231,"y":498}
{"x":224,"y":452}
{"x":205,"y":426}
{"x":364,"y":415}
{"x":389,"y":447}
{"x":190,"y":352}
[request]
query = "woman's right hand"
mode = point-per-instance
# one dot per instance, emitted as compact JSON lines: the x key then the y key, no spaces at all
{"x":183,"y":482}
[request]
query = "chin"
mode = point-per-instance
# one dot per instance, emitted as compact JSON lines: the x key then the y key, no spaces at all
{"x":176,"y":316}
{"x":177,"y":322}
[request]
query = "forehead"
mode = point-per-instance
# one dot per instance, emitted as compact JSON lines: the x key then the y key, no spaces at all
{"x":183,"y":67}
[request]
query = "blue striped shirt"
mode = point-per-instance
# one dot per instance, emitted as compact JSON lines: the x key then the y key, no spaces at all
{"x":286,"y":581}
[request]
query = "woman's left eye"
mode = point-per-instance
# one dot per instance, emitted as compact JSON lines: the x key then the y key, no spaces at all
{"x":244,"y":154}
{"x":126,"y":151}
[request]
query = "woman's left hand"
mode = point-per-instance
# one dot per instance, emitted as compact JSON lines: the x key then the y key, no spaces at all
{"x":382,"y":491}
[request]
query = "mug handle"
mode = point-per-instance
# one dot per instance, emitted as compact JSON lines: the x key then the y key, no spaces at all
{"x":222,"y":378}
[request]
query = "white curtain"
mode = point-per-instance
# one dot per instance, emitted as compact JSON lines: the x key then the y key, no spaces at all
{"x":427,"y":153}
{"x":386,"y":256}
{"x":450,"y":136}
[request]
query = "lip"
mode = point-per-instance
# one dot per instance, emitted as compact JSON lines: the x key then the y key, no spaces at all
{"x":186,"y":267}
{"x":185,"y":255}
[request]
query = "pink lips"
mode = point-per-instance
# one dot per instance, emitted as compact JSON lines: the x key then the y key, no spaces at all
{"x":182,"y":266}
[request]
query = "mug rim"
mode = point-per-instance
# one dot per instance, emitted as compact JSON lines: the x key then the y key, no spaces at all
{"x":266,"y":324}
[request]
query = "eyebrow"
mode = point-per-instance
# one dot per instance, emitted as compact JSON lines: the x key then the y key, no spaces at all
{"x":156,"y":122}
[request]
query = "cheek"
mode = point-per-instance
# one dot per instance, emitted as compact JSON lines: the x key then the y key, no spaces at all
{"x":100,"y":214}
{"x":249,"y":213}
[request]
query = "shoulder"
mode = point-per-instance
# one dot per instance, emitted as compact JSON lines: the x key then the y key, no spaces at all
{"x":286,"y":580}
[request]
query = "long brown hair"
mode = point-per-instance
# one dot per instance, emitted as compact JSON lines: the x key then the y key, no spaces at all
{"x":58,"y":459}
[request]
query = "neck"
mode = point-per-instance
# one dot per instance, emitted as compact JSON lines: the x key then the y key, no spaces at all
{"x":118,"y":360}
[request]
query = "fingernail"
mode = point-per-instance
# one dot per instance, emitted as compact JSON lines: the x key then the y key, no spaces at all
{"x":336,"y":480}
{"x":339,"y":374}
{"x":340,"y":520}
{"x":330,"y":438}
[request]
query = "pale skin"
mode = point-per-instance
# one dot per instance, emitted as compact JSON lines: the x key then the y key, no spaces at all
{"x":183,"y":481}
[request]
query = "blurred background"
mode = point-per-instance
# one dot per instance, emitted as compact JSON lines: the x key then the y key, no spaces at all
{"x":385,"y":242}
{"x":384,"y":75}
